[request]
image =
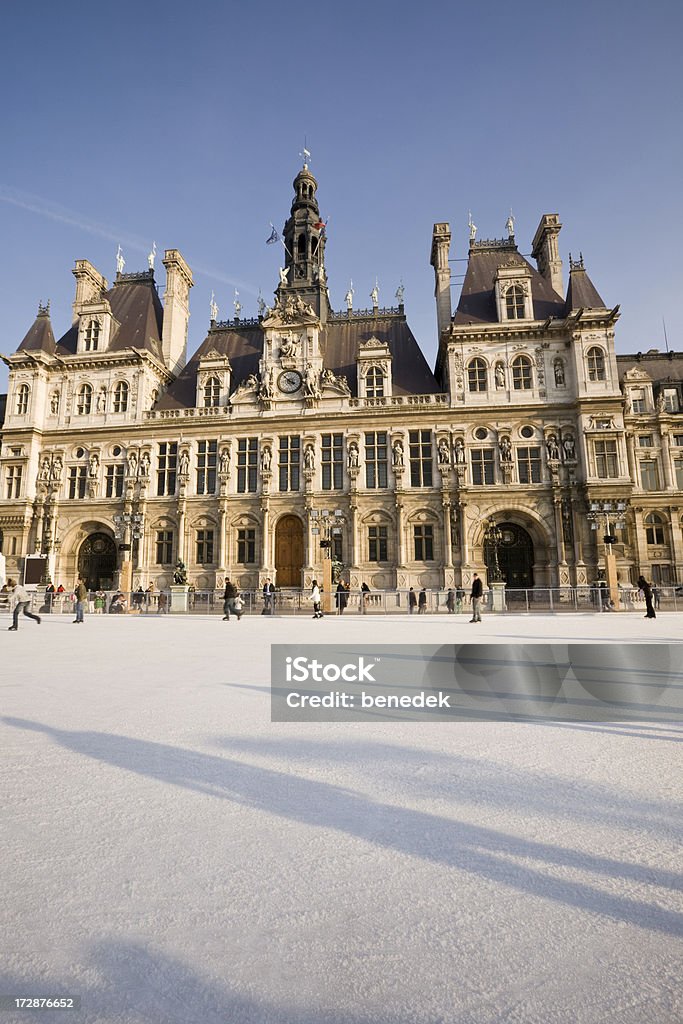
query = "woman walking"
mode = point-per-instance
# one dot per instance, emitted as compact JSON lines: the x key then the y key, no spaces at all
{"x":647,"y":592}
{"x":315,"y":598}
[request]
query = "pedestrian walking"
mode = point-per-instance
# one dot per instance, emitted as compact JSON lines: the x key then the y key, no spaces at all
{"x":412,"y":601}
{"x":81,"y":595}
{"x":162,"y":604}
{"x":647,"y":592}
{"x":315,"y":598}
{"x":268,"y":597}
{"x":475,"y":598}
{"x":422,"y":602}
{"x":365,"y":594}
{"x":229,"y":595}
{"x":657,"y":595}
{"x":450,"y":602}
{"x":21,"y":600}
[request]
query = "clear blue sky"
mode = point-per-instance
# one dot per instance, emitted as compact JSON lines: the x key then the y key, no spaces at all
{"x":183,"y":123}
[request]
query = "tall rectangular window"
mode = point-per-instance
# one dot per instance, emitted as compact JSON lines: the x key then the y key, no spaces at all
{"x":247,"y":461}
{"x":168,"y":462}
{"x":164,"y":547}
{"x":606,"y":466}
{"x":482,"y":466}
{"x":678,"y":469}
{"x":14,"y":474}
{"x":649,"y":475}
{"x":207,"y":455}
{"x":332,"y":461}
{"x":423,"y":537}
{"x":78,"y":479}
{"x":376,"y":459}
{"x":377,"y":544}
{"x":204,"y":547}
{"x":529,"y":465}
{"x":671,"y":401}
{"x":246,"y":547}
{"x":114,"y":481}
{"x":638,"y":400}
{"x":290,"y":459}
{"x":420,"y":458}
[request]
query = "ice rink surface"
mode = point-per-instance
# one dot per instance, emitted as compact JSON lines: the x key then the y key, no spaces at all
{"x":170,"y":856}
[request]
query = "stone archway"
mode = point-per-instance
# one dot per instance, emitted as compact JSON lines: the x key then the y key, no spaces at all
{"x":515,"y":556}
{"x":97,"y":561}
{"x":289,"y":551}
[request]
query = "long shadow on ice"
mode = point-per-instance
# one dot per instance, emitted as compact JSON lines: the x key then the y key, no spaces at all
{"x":471,"y":848}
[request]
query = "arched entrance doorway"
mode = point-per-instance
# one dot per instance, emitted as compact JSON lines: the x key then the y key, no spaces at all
{"x":289,"y":551}
{"x":515,"y":556}
{"x":97,"y":562}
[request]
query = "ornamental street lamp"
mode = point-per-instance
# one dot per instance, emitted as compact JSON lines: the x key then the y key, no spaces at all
{"x":127,"y":527}
{"x":609,"y":516}
{"x":326,"y":525}
{"x":493,"y":538}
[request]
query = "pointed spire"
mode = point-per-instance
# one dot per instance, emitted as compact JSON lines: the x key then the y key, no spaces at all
{"x":40,"y":336}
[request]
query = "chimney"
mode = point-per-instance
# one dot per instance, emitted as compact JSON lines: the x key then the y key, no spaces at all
{"x":89,"y":286}
{"x":441,"y":244}
{"x":176,"y":310}
{"x":546,"y":252}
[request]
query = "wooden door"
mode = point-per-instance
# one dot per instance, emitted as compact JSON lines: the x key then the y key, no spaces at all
{"x":289,"y":551}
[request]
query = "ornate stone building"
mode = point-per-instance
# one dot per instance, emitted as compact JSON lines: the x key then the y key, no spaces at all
{"x":119,"y":457}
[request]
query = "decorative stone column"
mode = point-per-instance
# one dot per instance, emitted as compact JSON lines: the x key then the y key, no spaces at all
{"x":666,"y":461}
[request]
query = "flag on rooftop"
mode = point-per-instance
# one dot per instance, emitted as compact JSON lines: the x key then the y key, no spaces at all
{"x":272,"y":237}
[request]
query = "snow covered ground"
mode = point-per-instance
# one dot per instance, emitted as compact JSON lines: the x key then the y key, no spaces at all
{"x":171,"y":856}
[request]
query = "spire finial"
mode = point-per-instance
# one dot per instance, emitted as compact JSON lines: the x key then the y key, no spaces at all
{"x":305,"y":155}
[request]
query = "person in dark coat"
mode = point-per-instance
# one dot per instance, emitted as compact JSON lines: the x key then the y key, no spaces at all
{"x":412,"y":601}
{"x":647,"y":592}
{"x":475,"y":597}
{"x":229,"y":595}
{"x":422,"y":602}
{"x":450,"y":602}
{"x":341,"y":597}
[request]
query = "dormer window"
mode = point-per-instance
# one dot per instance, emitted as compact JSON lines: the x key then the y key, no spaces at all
{"x":92,"y":336}
{"x":374,"y":383}
{"x":595,"y":358}
{"x":212,"y":393}
{"x":477,"y":375}
{"x":23,"y":395}
{"x":121,"y":396}
{"x":522,"y":379}
{"x":84,"y":400}
{"x":514,"y":302}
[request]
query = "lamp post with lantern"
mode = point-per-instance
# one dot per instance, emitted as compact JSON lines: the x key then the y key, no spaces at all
{"x":326,"y":525}
{"x":493,"y":538}
{"x":127,"y":528}
{"x":609,"y":516}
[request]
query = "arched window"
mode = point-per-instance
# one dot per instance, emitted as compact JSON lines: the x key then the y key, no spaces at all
{"x":84,"y":400}
{"x":514,"y":302}
{"x":121,"y":397}
{"x":476,"y":375}
{"x":301,"y":244}
{"x":654,"y":529}
{"x":595,"y":358}
{"x":92,"y":336}
{"x":374,"y":383}
{"x":521,"y":374}
{"x":212,"y":392}
{"x":23,"y":394}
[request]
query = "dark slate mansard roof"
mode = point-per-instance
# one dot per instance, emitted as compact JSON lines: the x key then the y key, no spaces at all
{"x":477,"y":303}
{"x":39,"y":337}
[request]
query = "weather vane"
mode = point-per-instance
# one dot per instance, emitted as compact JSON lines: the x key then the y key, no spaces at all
{"x":305,"y":154}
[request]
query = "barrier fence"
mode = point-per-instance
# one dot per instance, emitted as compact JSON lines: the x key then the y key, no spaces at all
{"x":554,"y":600}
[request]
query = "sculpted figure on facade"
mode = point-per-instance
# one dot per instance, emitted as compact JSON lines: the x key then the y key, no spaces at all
{"x":57,"y":467}
{"x":459,"y":448}
{"x":353,"y":456}
{"x":289,"y":346}
{"x":311,"y":384}
{"x":93,"y":466}
{"x":553,"y":448}
{"x":184,"y":463}
{"x":224,"y":461}
{"x":444,"y":453}
{"x":505,"y":448}
{"x":397,"y":456}
{"x":44,"y":474}
{"x":132,"y":462}
{"x":101,"y":404}
{"x":499,"y":373}
{"x":309,"y":457}
{"x":349,"y":297}
{"x":559,"y":373}
{"x":661,"y":402}
{"x":266,"y":458}
{"x":569,"y":447}
{"x":145,"y":465}
{"x":54,"y":403}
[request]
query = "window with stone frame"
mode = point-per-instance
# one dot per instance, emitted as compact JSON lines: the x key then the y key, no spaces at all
{"x":374,"y":382}
{"x":91,"y":339}
{"x":78,"y":481}
{"x":522,"y":374}
{"x":421,"y":467}
{"x":671,"y":400}
{"x":514,"y":302}
{"x":113,"y":481}
{"x":246,"y":546}
{"x":247,"y":464}
{"x":207,"y":457}
{"x":13,"y":481}
{"x":678,"y":470}
{"x":595,"y":360}
{"x":23,"y":396}
{"x":376,"y":460}
{"x":654,"y":529}
{"x":167,"y":468}
{"x":332,"y":461}
{"x":483,"y":466}
{"x":638,"y":400}
{"x":84,"y":400}
{"x":423,"y":541}
{"x":164,"y":547}
{"x":645,"y":440}
{"x":606,"y":460}
{"x":120,"y":401}
{"x":289,"y":462}
{"x":649,"y":475}
{"x":529,"y":465}
{"x":477,"y":375}
{"x":204,"y":547}
{"x":212,"y":393}
{"x":377,"y":544}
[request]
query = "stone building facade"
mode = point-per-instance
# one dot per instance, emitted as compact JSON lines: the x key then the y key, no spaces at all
{"x":120,"y":457}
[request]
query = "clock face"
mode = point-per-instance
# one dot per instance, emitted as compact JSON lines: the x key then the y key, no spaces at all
{"x":289,"y":381}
